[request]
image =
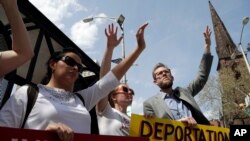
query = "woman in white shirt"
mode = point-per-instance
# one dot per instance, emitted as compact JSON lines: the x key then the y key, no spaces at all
{"x":112,"y":110}
{"x":57,"y":108}
{"x":114,"y":120}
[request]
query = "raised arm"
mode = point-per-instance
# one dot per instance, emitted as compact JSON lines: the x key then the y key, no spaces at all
{"x":21,"y":46}
{"x":112,"y":42}
{"x":207,"y":38}
{"x":120,"y":69}
{"x":205,"y":66}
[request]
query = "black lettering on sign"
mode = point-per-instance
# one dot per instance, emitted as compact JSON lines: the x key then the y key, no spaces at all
{"x":187,"y":134}
{"x":158,"y":131}
{"x":147,"y":125}
{"x":178,"y":133}
{"x":169,"y":130}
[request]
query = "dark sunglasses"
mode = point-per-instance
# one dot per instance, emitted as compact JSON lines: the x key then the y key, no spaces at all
{"x":125,"y":90}
{"x":71,"y":62}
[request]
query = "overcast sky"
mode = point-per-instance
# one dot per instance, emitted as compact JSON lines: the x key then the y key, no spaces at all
{"x":174,"y":35}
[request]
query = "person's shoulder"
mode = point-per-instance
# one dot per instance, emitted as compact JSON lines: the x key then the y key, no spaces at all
{"x":181,"y":90}
{"x":23,"y":88}
{"x":21,"y":92}
{"x":151,"y":98}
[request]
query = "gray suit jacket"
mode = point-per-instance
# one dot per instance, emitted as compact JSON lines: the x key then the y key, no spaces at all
{"x":156,"y":105}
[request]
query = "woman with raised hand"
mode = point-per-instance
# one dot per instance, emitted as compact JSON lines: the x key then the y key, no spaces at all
{"x":21,"y":47}
{"x":112,"y":109}
{"x":57,"y":107}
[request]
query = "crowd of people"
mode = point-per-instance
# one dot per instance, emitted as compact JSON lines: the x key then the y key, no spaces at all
{"x":59,"y":109}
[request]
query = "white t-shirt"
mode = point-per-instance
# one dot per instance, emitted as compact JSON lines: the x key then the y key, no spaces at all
{"x":55,"y":105}
{"x":113,"y":122}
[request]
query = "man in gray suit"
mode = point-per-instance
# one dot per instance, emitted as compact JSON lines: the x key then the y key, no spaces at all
{"x":179,"y":103}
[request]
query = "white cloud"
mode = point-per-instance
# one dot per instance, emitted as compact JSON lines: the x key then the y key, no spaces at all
{"x":57,"y":10}
{"x":86,"y":34}
{"x":83,"y":34}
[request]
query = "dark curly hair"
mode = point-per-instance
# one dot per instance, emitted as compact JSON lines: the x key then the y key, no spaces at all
{"x":56,"y":56}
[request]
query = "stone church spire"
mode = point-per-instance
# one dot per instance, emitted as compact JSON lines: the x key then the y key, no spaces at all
{"x":233,"y":75}
{"x":225,"y":47}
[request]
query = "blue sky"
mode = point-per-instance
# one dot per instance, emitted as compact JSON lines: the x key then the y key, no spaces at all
{"x":174,"y":35}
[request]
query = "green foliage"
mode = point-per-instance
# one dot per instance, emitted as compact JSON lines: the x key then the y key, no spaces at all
{"x":235,"y":82}
{"x":224,"y":92}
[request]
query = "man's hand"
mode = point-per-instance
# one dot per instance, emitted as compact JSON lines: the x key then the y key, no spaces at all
{"x":207,"y":35}
{"x":189,"y":120}
{"x":149,"y":116}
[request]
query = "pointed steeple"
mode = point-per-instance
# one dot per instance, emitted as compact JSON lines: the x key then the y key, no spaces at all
{"x":225,"y":46}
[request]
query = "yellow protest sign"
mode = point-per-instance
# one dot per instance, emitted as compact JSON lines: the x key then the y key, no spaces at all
{"x":171,"y":130}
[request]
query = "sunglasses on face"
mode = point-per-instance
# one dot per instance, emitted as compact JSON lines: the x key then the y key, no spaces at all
{"x":71,"y":62}
{"x":125,"y":90}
